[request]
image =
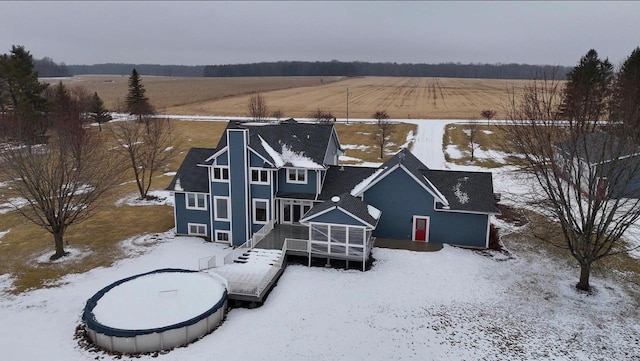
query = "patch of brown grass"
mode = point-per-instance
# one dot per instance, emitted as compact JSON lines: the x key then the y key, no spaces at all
{"x":103,"y":232}
{"x":454,"y":135}
{"x":550,"y":243}
{"x":361,"y":134}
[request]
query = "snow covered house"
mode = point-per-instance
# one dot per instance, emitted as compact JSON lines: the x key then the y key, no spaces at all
{"x":282,"y":183}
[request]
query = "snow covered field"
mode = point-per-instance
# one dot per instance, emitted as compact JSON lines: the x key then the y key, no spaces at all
{"x":453,"y":304}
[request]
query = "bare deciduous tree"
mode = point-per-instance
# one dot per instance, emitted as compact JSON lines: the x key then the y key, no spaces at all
{"x":384,"y":131}
{"x":471,"y":131}
{"x":321,"y":116}
{"x":61,"y":183}
{"x":147,"y":145}
{"x":277,"y":114}
{"x":488,"y":114}
{"x":257,"y":107}
{"x":586,"y":173}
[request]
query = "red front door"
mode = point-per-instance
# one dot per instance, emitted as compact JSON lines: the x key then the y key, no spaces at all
{"x":420,"y":228}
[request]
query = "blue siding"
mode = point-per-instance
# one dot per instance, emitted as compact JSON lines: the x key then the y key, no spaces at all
{"x":238,"y":176}
{"x":220,"y":189}
{"x":222,"y":159}
{"x":399,"y":198}
{"x":185,"y":216}
{"x":260,"y":191}
{"x":221,"y":226}
{"x":336,"y":216}
{"x":309,"y":187}
{"x":463,"y":229}
{"x":332,"y":150}
{"x":255,"y":161}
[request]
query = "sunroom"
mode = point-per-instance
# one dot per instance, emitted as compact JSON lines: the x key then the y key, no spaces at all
{"x":341,"y":229}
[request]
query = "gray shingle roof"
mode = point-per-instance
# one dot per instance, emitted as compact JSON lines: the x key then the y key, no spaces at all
{"x":311,"y":139}
{"x":350,"y":204}
{"x":598,"y":147}
{"x":411,"y":163}
{"x":341,"y":179}
{"x":465,"y":191}
{"x":193,"y":178}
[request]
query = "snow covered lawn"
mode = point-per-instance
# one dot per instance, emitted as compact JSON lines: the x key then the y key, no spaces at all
{"x":454,"y":304}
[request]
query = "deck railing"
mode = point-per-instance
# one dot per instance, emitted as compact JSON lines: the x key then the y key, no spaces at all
{"x":206,"y":263}
{"x":262,"y":232}
{"x":257,"y":288}
{"x":300,"y":245}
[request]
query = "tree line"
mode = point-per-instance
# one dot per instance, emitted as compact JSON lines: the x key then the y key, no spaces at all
{"x":356,"y":68}
{"x":143,"y":69}
{"x":46,"y":67}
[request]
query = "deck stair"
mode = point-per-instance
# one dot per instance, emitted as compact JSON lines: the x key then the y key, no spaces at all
{"x":252,"y":273}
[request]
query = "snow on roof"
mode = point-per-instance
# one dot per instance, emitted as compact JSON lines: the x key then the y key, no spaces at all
{"x":289,"y":157}
{"x":365,"y":182}
{"x":463,"y":197}
{"x":298,"y":159}
{"x":277,"y":159}
{"x":373,"y":211}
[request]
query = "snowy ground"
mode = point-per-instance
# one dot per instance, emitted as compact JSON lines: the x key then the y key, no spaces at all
{"x":449,"y":305}
{"x":453,"y":304}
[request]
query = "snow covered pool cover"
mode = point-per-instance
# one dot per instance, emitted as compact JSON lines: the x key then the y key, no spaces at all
{"x":151,"y":302}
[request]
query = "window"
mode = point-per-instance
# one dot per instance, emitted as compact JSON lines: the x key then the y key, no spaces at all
{"x":602,"y":186}
{"x":356,"y":236}
{"x":259,"y":176}
{"x":338,"y":234}
{"x":197,"y":229}
{"x":220,"y":173}
{"x":196,"y":201}
{"x":222,"y":208}
{"x":223,"y":236}
{"x":319,"y":232}
{"x":296,"y":175}
{"x":260,"y":211}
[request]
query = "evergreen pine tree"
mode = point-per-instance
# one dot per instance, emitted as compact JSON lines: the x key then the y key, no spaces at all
{"x":588,"y":88}
{"x":137,"y":103}
{"x":97,"y":111}
{"x":626,"y":99}
{"x":22,"y":100}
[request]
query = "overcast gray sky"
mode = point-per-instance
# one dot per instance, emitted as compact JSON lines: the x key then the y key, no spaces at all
{"x":203,"y":32}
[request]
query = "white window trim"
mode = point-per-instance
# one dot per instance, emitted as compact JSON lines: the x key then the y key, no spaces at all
{"x":221,"y":167}
{"x":189,"y":225}
{"x":268,"y":181}
{"x":196,"y":207}
{"x":218,"y":232}
{"x":253,"y":208}
{"x":306,"y":175}
{"x":215,"y":208}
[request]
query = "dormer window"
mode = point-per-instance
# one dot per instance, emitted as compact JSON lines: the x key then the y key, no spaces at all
{"x":296,"y":175}
{"x":220,"y":174}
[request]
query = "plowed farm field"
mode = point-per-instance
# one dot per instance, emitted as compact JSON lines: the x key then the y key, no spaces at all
{"x":436,"y":98}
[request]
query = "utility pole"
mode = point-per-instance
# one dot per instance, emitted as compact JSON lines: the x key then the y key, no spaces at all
{"x":348,"y":105}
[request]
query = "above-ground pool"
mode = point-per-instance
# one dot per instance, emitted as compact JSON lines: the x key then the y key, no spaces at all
{"x":155,"y":311}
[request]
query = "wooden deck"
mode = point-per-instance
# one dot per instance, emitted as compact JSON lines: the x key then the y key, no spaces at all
{"x":275,"y":238}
